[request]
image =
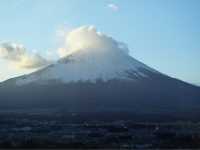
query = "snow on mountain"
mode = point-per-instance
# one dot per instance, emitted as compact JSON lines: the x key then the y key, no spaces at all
{"x":86,"y":66}
{"x":90,"y":56}
{"x":96,"y":74}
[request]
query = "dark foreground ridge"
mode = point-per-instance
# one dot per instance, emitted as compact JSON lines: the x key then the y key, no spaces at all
{"x":57,"y":130}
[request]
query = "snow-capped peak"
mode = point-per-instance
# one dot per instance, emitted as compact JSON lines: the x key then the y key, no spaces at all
{"x":91,"y":56}
{"x":88,"y":66}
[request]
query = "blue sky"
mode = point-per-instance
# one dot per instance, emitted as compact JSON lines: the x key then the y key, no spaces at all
{"x":164,"y":34}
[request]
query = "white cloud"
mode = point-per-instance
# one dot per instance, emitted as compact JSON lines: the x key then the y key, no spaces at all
{"x":83,"y":38}
{"x":113,"y":7}
{"x":31,"y":61}
{"x":88,"y":38}
{"x":19,"y":57}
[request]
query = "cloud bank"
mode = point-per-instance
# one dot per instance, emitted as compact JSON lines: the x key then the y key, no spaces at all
{"x":87,"y":37}
{"x":18,"y":56}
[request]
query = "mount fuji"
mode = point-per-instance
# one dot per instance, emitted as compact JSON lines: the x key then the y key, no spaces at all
{"x":95,"y":78}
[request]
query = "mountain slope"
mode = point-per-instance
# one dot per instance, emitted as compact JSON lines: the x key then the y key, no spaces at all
{"x":137,"y":89}
{"x":90,"y":65}
{"x":98,"y":75}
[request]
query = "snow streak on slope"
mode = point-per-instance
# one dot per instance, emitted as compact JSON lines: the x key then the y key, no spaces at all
{"x":91,"y":56}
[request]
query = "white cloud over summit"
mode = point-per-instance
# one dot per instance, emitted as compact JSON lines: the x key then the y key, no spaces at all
{"x":80,"y":39}
{"x":87,"y":37}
